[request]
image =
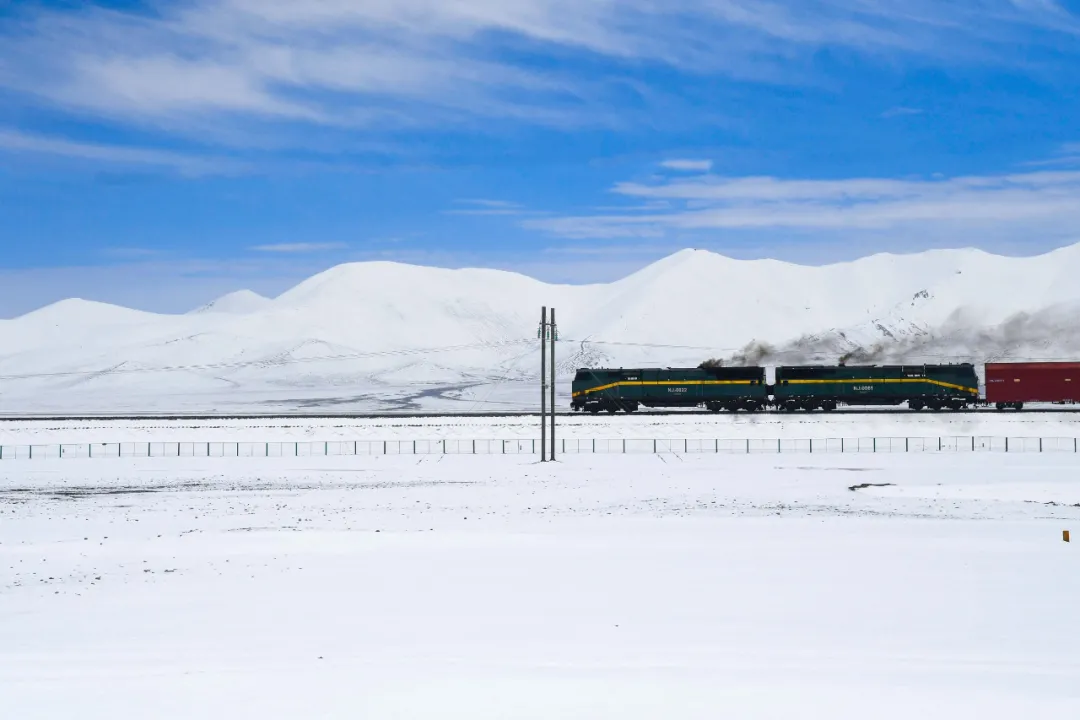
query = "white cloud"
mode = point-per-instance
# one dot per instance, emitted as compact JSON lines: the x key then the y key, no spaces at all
{"x":1035,"y":206}
{"x":491,"y":204}
{"x":483,"y":207}
{"x":300,"y":247}
{"x":349,"y":63}
{"x":688,"y":165}
{"x":901,"y":111}
{"x":12,"y":141}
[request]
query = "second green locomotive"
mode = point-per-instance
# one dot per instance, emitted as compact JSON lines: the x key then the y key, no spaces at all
{"x":935,"y":387}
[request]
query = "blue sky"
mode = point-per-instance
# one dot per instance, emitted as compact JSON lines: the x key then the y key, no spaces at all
{"x":160,"y":154}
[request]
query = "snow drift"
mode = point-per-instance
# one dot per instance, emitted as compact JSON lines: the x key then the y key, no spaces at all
{"x":383,"y":336}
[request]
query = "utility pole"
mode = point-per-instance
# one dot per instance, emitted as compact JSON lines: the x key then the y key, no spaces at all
{"x":543,"y":384}
{"x":554,"y":335}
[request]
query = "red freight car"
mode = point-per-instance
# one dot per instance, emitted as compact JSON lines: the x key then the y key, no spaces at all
{"x":1010,"y":385}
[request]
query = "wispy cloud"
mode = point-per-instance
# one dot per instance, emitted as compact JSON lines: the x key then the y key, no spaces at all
{"x":490,"y":204}
{"x":358,"y":63}
{"x":967,"y":209}
{"x":901,"y":111}
{"x":298,"y":248}
{"x":688,"y":165}
{"x":13,"y":141}
{"x":484,"y":207}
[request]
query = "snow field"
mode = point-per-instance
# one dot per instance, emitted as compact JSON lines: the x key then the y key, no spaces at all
{"x":496,"y":587}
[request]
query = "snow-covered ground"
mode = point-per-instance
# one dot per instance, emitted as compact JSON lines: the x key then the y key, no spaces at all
{"x":378,"y":337}
{"x":496,"y":587}
{"x":583,"y":427}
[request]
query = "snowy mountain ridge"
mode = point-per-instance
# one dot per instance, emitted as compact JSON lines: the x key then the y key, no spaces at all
{"x":392,"y":336}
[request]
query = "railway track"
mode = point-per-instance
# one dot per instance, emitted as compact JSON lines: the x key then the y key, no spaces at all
{"x":130,"y":416}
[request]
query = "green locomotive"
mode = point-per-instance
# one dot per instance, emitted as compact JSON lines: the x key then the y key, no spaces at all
{"x":734,"y":388}
{"x":817,"y":387}
{"x":921,"y":386}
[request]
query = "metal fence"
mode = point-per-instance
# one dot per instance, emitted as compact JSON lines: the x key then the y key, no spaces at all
{"x":531,"y":447}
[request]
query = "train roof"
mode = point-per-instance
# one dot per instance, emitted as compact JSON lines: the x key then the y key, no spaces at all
{"x":891,"y":365}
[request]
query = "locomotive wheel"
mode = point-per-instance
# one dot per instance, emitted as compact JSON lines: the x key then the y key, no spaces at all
{"x":915,"y":405}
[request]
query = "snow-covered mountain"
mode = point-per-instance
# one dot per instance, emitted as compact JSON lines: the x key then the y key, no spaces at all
{"x":384,"y":336}
{"x":239,"y":302}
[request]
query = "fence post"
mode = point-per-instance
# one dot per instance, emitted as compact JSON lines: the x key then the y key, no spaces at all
{"x":875,"y":444}
{"x":841,"y":446}
{"x":1006,"y":443}
{"x":778,"y":450}
{"x":972,"y":443}
{"x":716,"y":446}
{"x":593,"y":446}
{"x":939,"y":444}
{"x":1040,"y":444}
{"x":654,"y":446}
{"x":747,"y":446}
{"x":473,"y":447}
{"x":624,"y":446}
{"x":906,"y":441}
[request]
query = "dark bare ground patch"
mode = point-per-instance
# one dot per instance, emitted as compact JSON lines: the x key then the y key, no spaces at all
{"x":88,"y":491}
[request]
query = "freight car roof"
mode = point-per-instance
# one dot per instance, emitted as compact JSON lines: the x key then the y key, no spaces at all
{"x":1034,"y":366}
